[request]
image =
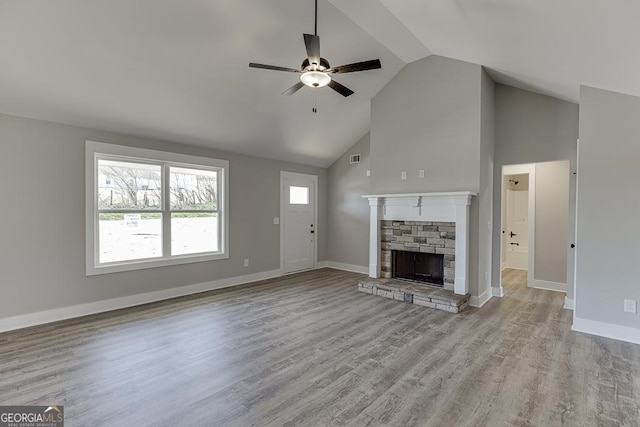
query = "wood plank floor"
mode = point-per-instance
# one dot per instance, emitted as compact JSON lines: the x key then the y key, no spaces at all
{"x":309,"y":349}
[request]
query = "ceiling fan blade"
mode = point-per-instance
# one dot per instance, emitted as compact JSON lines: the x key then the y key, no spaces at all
{"x":312,"y":43}
{"x":357,"y":66}
{"x":293,"y":89}
{"x":342,"y":90}
{"x":273,"y":67}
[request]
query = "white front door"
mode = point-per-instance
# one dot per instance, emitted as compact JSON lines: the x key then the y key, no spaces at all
{"x":298,"y":225}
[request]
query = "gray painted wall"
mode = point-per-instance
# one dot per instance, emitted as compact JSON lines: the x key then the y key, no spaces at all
{"x":349,"y":212}
{"x":552,"y":215}
{"x":532,"y":128}
{"x":427,"y":117}
{"x":608,"y":207}
{"x":42,"y":227}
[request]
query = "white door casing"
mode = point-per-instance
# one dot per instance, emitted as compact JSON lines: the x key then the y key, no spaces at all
{"x":298,"y":213}
{"x":572,"y":304}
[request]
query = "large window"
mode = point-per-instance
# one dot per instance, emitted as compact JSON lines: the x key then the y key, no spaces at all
{"x":148,"y":208}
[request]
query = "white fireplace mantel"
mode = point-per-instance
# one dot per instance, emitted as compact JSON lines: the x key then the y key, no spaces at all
{"x":444,"y":207}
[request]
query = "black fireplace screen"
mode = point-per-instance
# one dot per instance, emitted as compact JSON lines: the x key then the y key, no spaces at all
{"x":418,"y":266}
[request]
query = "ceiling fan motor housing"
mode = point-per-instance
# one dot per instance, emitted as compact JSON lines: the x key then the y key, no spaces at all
{"x":323,"y":66}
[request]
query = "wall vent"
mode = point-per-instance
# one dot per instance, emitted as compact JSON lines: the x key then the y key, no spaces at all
{"x":354,"y":158}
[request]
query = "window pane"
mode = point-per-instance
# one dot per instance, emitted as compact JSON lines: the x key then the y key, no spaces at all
{"x":125,"y":237}
{"x":193,"y":189}
{"x":126,"y":185}
{"x":193,"y":232}
{"x":298,"y":195}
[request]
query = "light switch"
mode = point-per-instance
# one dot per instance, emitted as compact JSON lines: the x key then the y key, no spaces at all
{"x":276,"y":221}
{"x":630,"y":306}
{"x":403,"y":175}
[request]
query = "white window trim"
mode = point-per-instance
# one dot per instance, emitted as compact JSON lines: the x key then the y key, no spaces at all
{"x":92,"y":149}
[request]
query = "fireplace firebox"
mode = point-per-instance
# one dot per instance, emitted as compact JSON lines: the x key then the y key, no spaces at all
{"x":418,"y":266}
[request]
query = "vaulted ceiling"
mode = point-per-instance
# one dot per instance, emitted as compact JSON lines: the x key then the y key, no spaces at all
{"x":548,"y":46}
{"x":179,"y":70}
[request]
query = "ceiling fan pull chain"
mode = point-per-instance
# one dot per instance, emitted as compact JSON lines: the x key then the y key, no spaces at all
{"x":315,"y":106}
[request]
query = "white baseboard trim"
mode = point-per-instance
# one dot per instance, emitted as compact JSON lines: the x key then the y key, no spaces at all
{"x":568,"y":303}
{"x":349,"y":267}
{"x":480,"y":300}
{"x":64,"y":313}
{"x":497,"y":292}
{"x":504,"y":265}
{"x":549,"y":286}
{"x":322,"y":264}
{"x":607,"y":330}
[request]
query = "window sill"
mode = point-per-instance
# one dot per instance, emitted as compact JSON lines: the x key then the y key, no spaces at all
{"x":119,"y":267}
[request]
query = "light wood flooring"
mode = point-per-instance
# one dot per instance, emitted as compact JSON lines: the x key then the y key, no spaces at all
{"x":310,"y":350}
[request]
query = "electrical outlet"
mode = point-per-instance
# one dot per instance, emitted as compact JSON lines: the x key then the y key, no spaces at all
{"x":629,"y":306}
{"x":276,"y":221}
{"x":246,"y":263}
{"x":403,"y":175}
{"x":421,"y":173}
{"x":368,"y":172}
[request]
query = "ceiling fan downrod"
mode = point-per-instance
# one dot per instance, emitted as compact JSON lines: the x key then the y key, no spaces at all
{"x":315,"y":29}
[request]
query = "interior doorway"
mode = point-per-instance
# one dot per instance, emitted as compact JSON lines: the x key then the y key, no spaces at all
{"x":534,"y":221}
{"x":518,"y":223}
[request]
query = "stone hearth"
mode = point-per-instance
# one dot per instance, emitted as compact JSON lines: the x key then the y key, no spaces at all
{"x":422,"y":295}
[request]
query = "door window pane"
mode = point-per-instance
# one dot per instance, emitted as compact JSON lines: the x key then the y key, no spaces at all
{"x":193,"y":189}
{"x":194,"y":232}
{"x":125,"y":237}
{"x":128,"y":185}
{"x":298,"y":195}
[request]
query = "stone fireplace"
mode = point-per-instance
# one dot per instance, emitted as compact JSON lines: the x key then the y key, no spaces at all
{"x":422,"y":251}
{"x":421,"y":223}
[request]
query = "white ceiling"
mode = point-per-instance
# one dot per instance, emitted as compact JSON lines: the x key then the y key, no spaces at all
{"x":179,"y":70}
{"x":548,"y":46}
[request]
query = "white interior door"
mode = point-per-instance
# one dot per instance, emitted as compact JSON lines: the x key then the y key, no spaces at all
{"x":507,"y":200}
{"x":517,"y":229}
{"x":298,"y":224}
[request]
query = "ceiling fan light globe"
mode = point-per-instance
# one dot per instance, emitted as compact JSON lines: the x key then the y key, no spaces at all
{"x":315,"y":79}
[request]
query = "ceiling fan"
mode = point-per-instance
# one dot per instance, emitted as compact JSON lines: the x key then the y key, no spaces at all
{"x":315,"y":71}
